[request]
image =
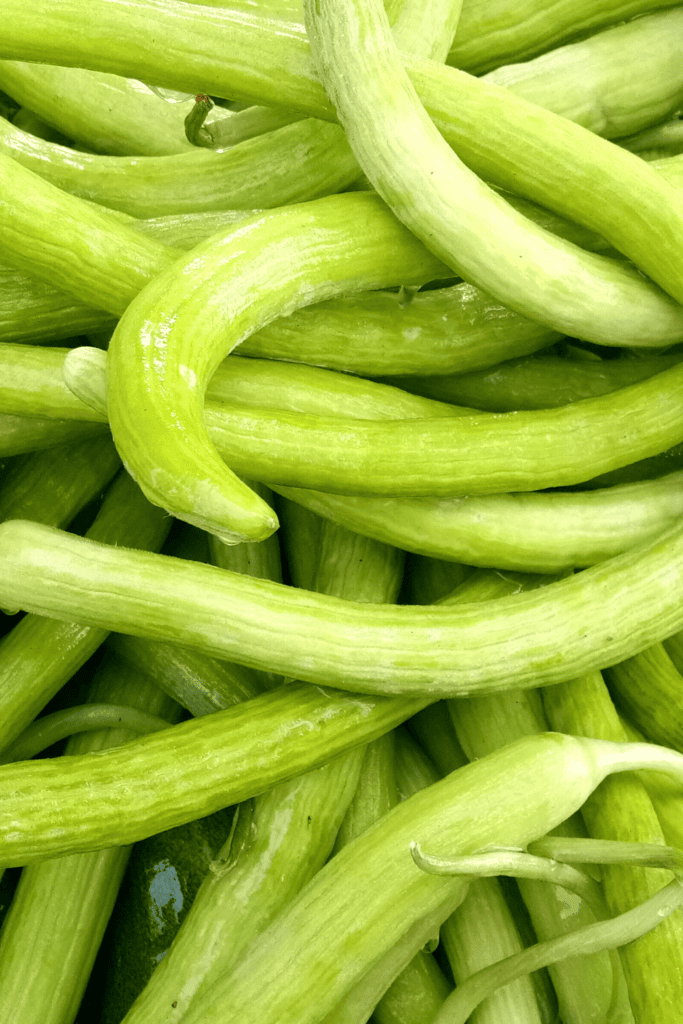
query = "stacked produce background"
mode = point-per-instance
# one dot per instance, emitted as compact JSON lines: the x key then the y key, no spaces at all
{"x":341,"y":498}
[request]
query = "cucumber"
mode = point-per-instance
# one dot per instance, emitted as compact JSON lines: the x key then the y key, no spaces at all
{"x":159,"y":887}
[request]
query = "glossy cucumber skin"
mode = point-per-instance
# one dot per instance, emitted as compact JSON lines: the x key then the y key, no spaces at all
{"x":468,"y":455}
{"x":160,"y":359}
{"x":162,"y":880}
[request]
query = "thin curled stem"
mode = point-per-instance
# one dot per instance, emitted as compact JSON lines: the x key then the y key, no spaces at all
{"x":516,"y":864}
{"x":592,"y":939}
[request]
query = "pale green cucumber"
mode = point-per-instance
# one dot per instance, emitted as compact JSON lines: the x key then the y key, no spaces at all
{"x":536,"y":532}
{"x":439,"y":330}
{"x":585,"y":987}
{"x":53,"y":236}
{"x":611,"y":190}
{"x":292,"y":828}
{"x":66,"y":381}
{"x":593,"y":619}
{"x":288,"y":165}
{"x":420,"y":988}
{"x":107,"y":113}
{"x":293,"y":162}
{"x":169,"y":343}
{"x":273,"y":264}
{"x":426,"y":28}
{"x":494,"y":32}
{"x":584,"y":81}
{"x":204,"y":764}
{"x":372,"y":333}
{"x":481,"y":929}
{"x":330,"y":936}
{"x":456,"y":215}
{"x":440,"y":457}
{"x":534,"y":383}
{"x":39,"y":655}
{"x":264,"y":383}
{"x":621,"y":809}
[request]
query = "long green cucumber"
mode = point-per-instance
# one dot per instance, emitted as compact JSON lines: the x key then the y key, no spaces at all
{"x":367,"y":897}
{"x":584,"y":81}
{"x":537,"y":532}
{"x":32,"y":383}
{"x":539,"y":383}
{"x":106,"y":113}
{"x":420,"y":977}
{"x":506,"y":140}
{"x":590,"y":620}
{"x":270,"y":266}
{"x":292,"y":828}
{"x":169,"y":342}
{"x":444,"y":457}
{"x":481,"y":928}
{"x":289,"y":165}
{"x":121,"y":796}
{"x":62,"y":906}
{"x":464,"y":222}
{"x":495,"y":32}
{"x":81,"y":248}
{"x":458,"y":328}
{"x":584,"y":987}
{"x":296,"y":162}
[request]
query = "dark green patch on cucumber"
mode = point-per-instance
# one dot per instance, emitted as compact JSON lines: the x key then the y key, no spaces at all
{"x":159,"y":887}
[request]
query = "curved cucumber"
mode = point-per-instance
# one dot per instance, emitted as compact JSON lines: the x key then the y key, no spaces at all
{"x":458,"y":217}
{"x":172,"y":338}
{"x":174,"y":335}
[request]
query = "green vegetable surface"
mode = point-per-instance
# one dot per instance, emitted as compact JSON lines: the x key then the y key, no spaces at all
{"x":341,"y":460}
